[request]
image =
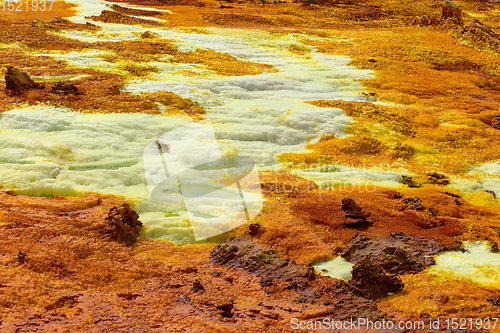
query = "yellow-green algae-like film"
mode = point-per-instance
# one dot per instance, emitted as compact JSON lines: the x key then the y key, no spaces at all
{"x":476,"y":262}
{"x":260,"y":115}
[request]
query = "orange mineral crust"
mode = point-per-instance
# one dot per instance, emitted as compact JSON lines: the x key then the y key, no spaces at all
{"x":71,"y":264}
{"x":76,"y":264}
{"x":442,"y":298}
{"x":311,"y":225}
{"x":98,"y":91}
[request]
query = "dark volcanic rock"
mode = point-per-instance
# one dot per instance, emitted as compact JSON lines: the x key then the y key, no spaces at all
{"x":396,"y":253}
{"x":494,"y":300}
{"x":409,"y":182}
{"x":242,"y":253}
{"x":355,"y":216}
{"x":18,"y":81}
{"x":415,"y":203}
{"x":197,"y":286}
{"x":64,"y":88}
{"x":352,"y":305}
{"x":495,"y":124}
{"x":355,"y":307}
{"x":342,"y":303}
{"x":21,"y":257}
{"x":437,"y":178}
{"x":253,"y":229}
{"x":393,"y":194}
{"x":123,"y":224}
{"x":371,"y":281}
{"x":492,"y":193}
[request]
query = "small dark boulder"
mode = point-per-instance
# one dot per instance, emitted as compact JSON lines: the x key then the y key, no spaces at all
{"x":494,"y":248}
{"x":437,"y":178}
{"x":410,"y":182}
{"x":495,"y":123}
{"x":414,"y":203}
{"x":64,"y":88}
{"x":254,"y":228}
{"x":197,"y":286}
{"x":369,"y":280}
{"x":354,"y":216}
{"x":18,"y":81}
{"x":21,"y":257}
{"x":122,"y":224}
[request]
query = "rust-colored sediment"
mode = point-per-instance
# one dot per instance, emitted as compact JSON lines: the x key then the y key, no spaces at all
{"x":65,"y":267}
{"x":308,"y":226}
{"x":76,"y":274}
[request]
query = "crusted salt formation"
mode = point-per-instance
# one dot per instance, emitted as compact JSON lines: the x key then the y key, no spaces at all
{"x":352,"y":300}
{"x":242,"y":253}
{"x":396,"y":253}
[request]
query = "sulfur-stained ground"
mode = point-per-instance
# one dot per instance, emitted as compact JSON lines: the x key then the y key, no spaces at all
{"x":431,"y":107}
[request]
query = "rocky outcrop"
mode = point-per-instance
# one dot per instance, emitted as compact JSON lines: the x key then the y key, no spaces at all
{"x":437,"y":178}
{"x":378,"y":262}
{"x":396,"y":253}
{"x":64,"y":88}
{"x":253,"y":229}
{"x":353,"y":305}
{"x":123,"y":224}
{"x":414,"y":203}
{"x":494,"y":300}
{"x":407,"y":180}
{"x":18,"y":81}
{"x":242,"y":253}
{"x":483,"y":32}
{"x":451,"y":13}
{"x":343,"y":301}
{"x":424,"y":20}
{"x":370,"y":280}
{"x":354,"y":216}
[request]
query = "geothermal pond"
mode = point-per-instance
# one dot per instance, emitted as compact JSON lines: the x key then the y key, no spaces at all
{"x":48,"y":151}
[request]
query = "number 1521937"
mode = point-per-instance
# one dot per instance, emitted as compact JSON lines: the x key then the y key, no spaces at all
{"x":28,"y":5}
